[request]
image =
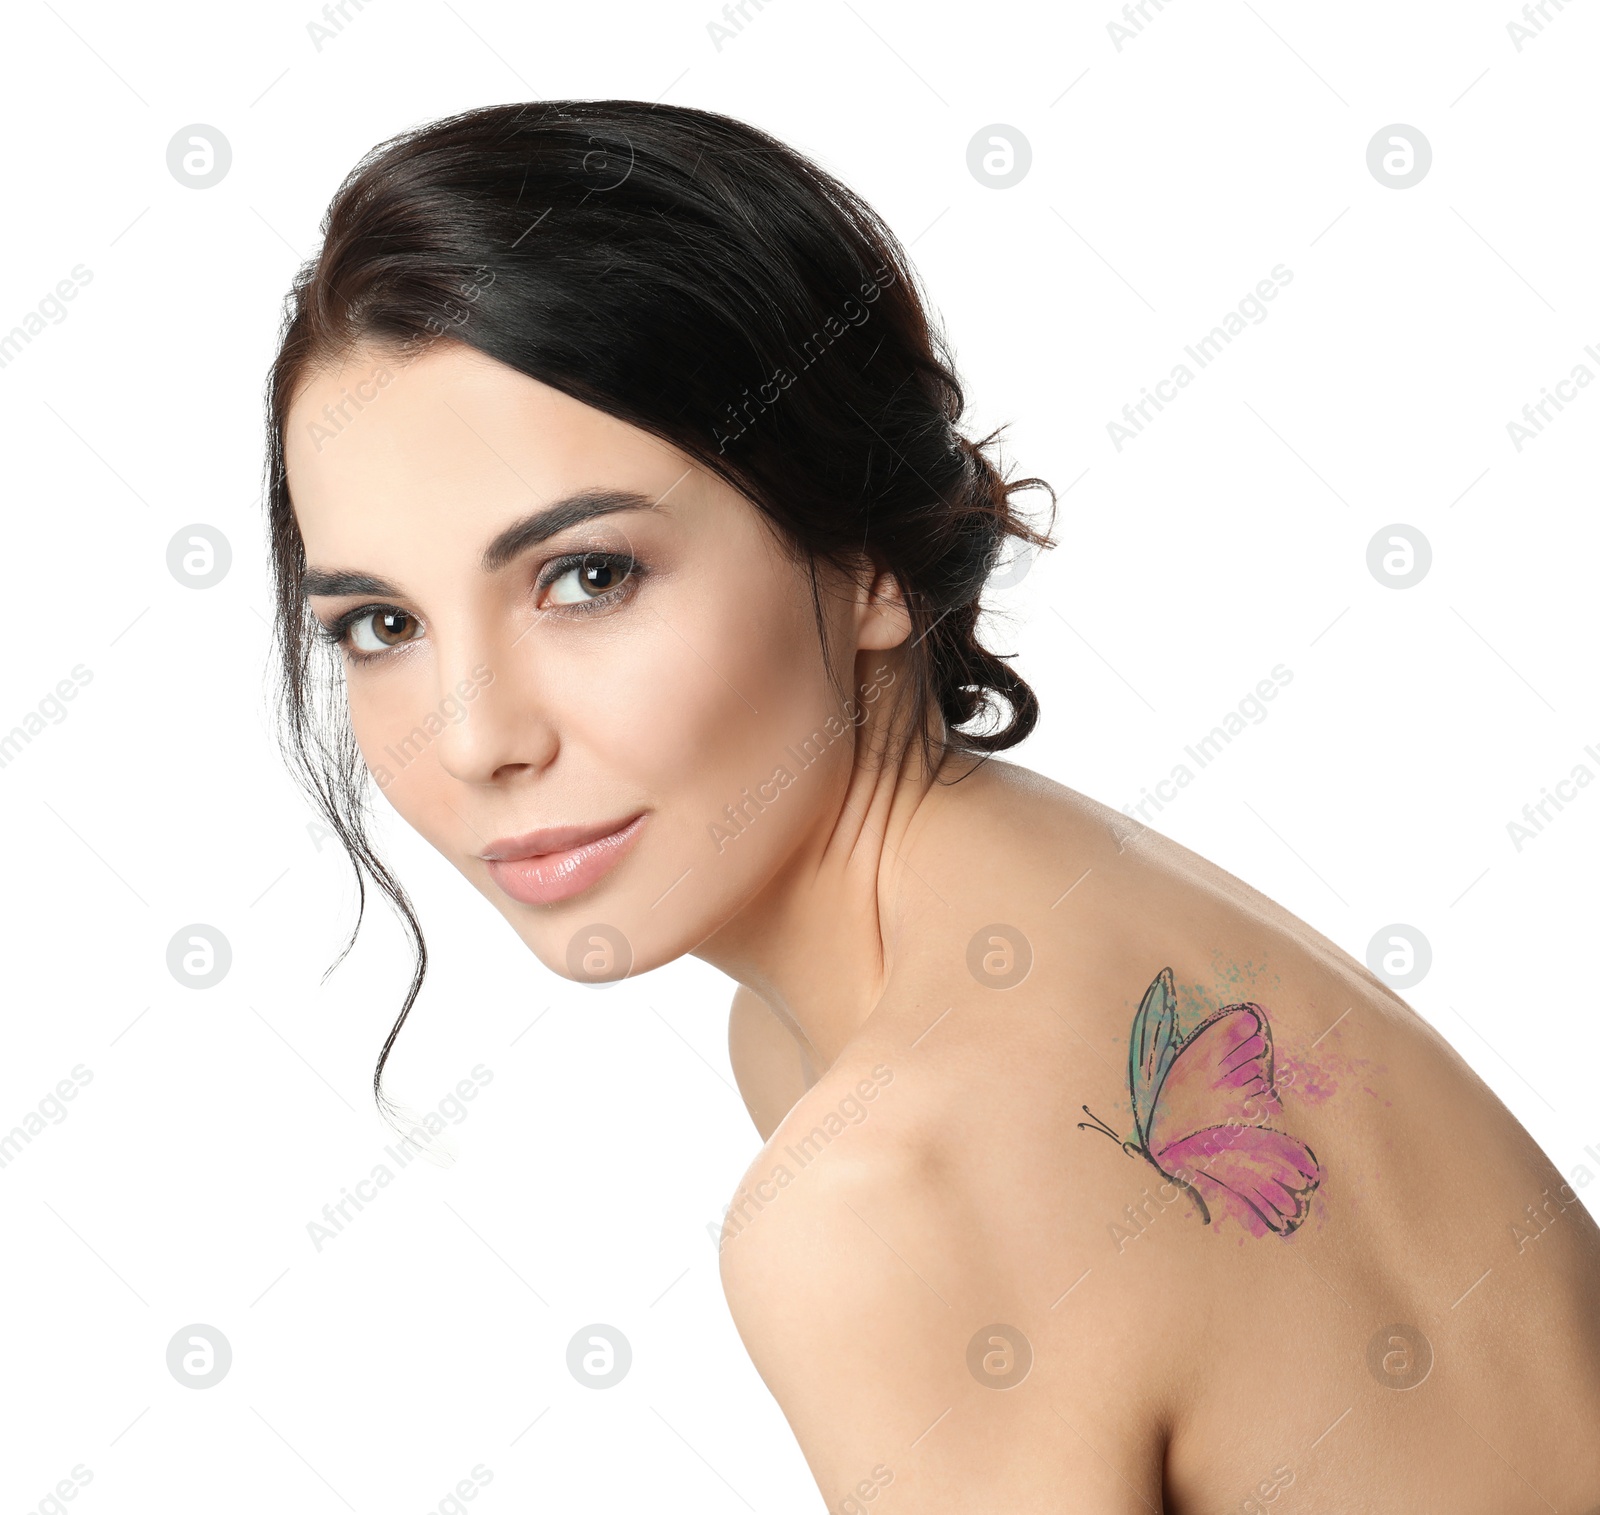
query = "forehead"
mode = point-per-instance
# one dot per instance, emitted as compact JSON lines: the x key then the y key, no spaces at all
{"x":401,"y":442}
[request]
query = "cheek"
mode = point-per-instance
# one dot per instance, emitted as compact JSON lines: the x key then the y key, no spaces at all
{"x":741,"y":758}
{"x":706,"y":696}
{"x":396,"y":728}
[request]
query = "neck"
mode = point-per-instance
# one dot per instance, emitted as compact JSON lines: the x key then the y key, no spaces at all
{"x":817,"y":943}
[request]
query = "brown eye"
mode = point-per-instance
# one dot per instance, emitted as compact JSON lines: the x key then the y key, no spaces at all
{"x":379,"y":630}
{"x":589,"y":578}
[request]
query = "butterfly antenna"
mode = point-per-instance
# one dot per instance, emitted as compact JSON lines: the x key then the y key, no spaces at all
{"x":1094,"y":1123}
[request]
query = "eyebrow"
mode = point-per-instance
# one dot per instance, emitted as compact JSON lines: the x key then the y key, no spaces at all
{"x":516,"y":538}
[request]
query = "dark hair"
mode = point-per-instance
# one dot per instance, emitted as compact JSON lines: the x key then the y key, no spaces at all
{"x":682,"y":271}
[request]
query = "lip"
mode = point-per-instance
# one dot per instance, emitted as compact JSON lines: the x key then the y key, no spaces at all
{"x":556,"y":863}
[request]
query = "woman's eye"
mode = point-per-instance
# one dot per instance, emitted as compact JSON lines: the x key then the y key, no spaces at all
{"x":379,"y":630}
{"x":590,"y":579}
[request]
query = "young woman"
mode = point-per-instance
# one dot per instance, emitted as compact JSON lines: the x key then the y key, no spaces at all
{"x":614,"y":452}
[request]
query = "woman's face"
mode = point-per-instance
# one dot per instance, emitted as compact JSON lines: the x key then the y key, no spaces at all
{"x":577,"y":663}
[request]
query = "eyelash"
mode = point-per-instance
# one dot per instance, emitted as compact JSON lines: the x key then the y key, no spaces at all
{"x":338,"y":633}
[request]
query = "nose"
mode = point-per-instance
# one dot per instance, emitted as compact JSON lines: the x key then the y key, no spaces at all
{"x":498,"y":727}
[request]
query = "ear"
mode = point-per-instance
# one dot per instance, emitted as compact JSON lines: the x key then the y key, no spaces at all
{"x":882,"y":617}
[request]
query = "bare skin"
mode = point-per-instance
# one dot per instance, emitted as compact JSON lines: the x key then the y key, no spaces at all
{"x":1174,"y":1361}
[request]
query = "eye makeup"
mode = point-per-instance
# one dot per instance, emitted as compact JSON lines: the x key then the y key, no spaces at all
{"x":615,"y":575}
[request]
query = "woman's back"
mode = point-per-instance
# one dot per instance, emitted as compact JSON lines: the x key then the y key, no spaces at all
{"x":1372,"y":1292}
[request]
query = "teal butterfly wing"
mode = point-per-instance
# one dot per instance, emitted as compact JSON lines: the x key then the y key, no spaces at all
{"x":1152,"y":1046}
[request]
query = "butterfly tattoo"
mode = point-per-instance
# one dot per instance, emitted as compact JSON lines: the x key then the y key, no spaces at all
{"x":1200,"y":1106}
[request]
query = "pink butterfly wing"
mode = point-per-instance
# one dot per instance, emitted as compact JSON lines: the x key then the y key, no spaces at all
{"x":1222,"y":1072}
{"x":1263,"y":1178}
{"x":1207,"y":1124}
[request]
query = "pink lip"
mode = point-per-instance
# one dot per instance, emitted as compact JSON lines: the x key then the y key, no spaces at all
{"x":544,"y":867}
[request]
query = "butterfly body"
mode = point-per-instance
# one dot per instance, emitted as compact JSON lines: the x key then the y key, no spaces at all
{"x":1200,"y":1107}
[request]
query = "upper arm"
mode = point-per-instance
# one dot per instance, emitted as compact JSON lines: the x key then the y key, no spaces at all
{"x":888,"y":1326}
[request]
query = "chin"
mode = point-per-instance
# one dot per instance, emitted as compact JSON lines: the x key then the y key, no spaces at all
{"x":618,"y":929}
{"x":597,"y":946}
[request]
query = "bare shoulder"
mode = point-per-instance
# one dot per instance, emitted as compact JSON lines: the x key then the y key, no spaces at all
{"x":1286,"y":1143}
{"x":964,"y":1295}
{"x":916,"y":1320}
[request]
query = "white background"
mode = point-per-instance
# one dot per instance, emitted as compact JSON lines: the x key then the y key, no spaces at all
{"x":1167,"y":178}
